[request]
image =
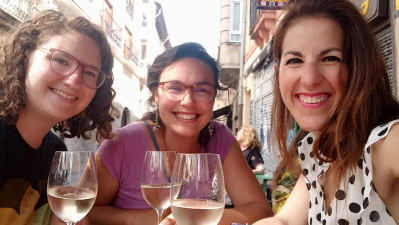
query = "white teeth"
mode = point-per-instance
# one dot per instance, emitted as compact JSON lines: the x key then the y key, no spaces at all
{"x":62,"y":94}
{"x":313,"y":100}
{"x":186,"y":116}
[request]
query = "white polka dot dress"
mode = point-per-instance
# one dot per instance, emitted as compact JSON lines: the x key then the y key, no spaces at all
{"x":356,"y":204}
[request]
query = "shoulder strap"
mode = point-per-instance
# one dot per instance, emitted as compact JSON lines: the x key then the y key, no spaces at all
{"x":152,"y":135}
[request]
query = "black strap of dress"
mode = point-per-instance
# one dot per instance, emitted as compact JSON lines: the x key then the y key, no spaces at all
{"x":152,"y":135}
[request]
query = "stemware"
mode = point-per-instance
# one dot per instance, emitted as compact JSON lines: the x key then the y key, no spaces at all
{"x":197,"y":189}
{"x":155,"y":179}
{"x":72,"y":185}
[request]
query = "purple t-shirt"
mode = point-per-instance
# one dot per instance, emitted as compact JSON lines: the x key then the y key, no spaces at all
{"x":124,"y":155}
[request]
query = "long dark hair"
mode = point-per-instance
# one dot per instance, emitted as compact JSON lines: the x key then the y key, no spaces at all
{"x":367,"y":102}
{"x":162,"y":61}
{"x":17,"y":45}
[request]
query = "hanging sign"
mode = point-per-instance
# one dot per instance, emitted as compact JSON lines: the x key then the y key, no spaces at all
{"x":372,"y":10}
{"x":271,"y":4}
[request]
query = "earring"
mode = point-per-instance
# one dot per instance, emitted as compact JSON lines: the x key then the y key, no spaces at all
{"x":156,"y":122}
{"x":210,"y":128}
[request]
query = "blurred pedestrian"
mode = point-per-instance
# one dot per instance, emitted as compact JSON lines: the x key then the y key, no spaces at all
{"x":247,"y":138}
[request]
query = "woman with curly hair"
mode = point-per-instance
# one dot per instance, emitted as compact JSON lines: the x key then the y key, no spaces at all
{"x":249,"y":143}
{"x":55,"y":72}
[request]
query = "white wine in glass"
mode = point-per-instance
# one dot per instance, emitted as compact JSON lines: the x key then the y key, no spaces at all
{"x":197,"y":189}
{"x":155,"y":179}
{"x":72,"y":185}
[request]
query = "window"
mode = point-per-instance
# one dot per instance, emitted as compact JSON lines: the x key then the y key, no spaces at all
{"x":143,"y":51}
{"x":109,"y":13}
{"x":235,"y":20}
{"x":128,"y":44}
{"x":144,"y":22}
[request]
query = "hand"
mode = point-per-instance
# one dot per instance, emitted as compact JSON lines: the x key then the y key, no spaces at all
{"x":169,"y":220}
{"x":54,"y":220}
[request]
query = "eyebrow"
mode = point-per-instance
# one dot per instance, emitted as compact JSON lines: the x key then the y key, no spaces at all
{"x":330,"y":50}
{"x":293,"y":53}
{"x":296,"y":53}
{"x":176,"y":81}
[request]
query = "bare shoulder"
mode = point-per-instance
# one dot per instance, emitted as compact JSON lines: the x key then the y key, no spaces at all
{"x":386,"y":151}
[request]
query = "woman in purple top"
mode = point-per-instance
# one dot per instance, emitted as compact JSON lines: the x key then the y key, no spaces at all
{"x":183,"y":82}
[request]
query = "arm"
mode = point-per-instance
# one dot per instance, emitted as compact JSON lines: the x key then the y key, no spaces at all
{"x":249,"y":206}
{"x":385,"y":155}
{"x":104,"y":213}
{"x":295,"y":210}
{"x":258,"y":169}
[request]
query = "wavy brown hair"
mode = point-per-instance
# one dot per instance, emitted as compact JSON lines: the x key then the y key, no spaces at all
{"x":167,"y":58}
{"x":367,"y":102}
{"x":250,"y":137}
{"x":17,"y":45}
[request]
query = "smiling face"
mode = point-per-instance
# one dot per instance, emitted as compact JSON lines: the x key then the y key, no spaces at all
{"x":55,"y":97}
{"x":312,"y":75}
{"x":186,"y":117}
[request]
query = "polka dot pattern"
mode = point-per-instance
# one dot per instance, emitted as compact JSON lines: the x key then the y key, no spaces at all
{"x":356,"y":200}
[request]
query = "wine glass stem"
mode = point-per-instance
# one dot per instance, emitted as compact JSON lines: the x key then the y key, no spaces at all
{"x":159,"y":213}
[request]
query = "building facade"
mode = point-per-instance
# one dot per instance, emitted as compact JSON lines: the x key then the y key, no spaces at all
{"x":137,"y":33}
{"x":229,"y":59}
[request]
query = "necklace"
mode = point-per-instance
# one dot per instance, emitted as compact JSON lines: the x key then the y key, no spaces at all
{"x":195,"y":149}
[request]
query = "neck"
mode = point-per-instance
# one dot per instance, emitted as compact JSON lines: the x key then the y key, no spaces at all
{"x":33,"y":128}
{"x":180,"y":144}
{"x":243,"y":147}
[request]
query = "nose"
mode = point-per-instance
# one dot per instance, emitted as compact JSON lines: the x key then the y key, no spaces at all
{"x":187,"y":99}
{"x":75,"y":79}
{"x":311,"y":74}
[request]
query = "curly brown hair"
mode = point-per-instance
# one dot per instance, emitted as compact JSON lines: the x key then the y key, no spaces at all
{"x":16,"y":46}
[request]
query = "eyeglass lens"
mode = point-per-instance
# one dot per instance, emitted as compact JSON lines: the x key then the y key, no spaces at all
{"x":65,"y":64}
{"x":201,"y":92}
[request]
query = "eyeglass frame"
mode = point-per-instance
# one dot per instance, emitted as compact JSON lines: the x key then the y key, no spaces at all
{"x":188,"y":86}
{"x":79,"y":65}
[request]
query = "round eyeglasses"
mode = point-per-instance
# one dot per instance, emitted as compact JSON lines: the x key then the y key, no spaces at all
{"x":65,"y":64}
{"x":202,"y":92}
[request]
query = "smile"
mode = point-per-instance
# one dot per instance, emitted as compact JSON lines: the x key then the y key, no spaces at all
{"x":62,"y":94}
{"x":313,"y":99}
{"x":186,"y":116}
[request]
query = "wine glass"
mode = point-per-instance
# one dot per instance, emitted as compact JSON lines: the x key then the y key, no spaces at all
{"x":72,"y":185}
{"x":197,"y":189}
{"x":155,"y":179}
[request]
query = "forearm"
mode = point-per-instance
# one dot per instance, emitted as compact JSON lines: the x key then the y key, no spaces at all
{"x":273,"y":221}
{"x":258,"y":171}
{"x":107,"y":214}
{"x":248,"y":213}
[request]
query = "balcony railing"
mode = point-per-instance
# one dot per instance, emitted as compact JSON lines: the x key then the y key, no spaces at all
{"x":130,"y":52}
{"x":111,"y":28}
{"x":129,"y":8}
{"x":21,"y":9}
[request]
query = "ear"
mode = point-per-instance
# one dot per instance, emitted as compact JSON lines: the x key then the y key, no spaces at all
{"x":275,"y":67}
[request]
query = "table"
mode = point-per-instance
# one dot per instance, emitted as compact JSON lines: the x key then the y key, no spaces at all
{"x":265,"y":178}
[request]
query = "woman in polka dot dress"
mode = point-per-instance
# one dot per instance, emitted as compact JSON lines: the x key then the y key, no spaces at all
{"x":331,"y":77}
